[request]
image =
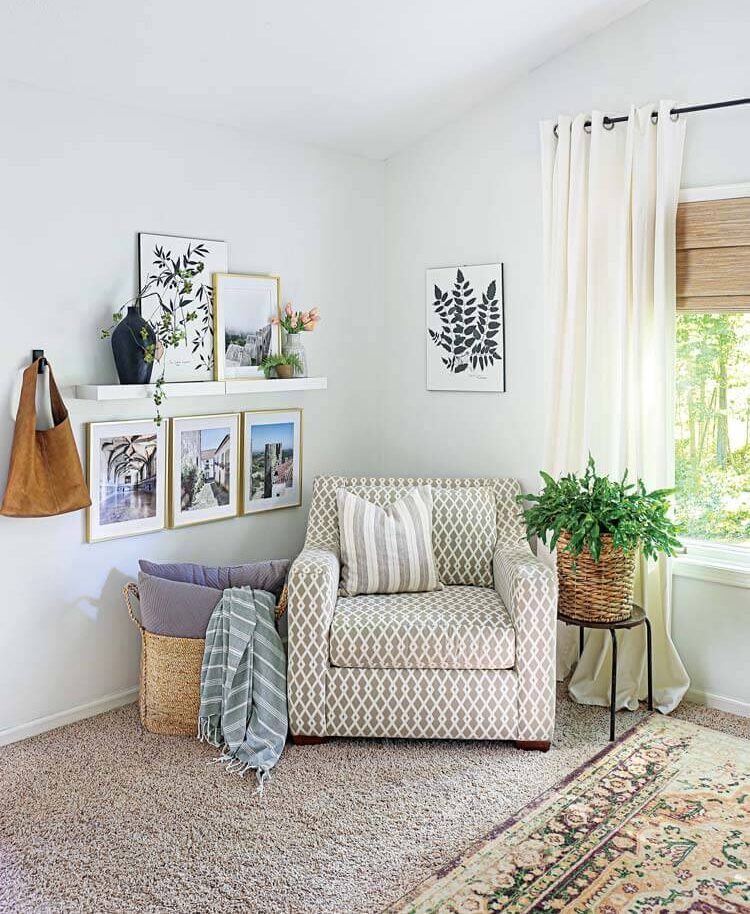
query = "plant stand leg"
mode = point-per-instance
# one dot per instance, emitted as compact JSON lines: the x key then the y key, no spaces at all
{"x":580,"y":641}
{"x":613,"y":694}
{"x":650,"y":667}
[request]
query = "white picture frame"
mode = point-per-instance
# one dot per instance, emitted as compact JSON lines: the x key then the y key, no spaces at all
{"x":465,"y":328}
{"x":204,"y":468}
{"x":158,"y":257}
{"x":245,"y":304}
{"x":127,"y":478}
{"x":271,"y":460}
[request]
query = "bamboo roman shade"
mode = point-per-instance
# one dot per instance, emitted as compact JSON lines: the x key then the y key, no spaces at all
{"x":713,"y":255}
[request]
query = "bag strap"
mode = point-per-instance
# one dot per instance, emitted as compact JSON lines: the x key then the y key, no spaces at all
{"x":127,"y":590}
{"x":26,"y":414}
{"x":59,"y":410}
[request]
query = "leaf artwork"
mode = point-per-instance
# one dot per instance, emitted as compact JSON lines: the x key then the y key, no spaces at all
{"x":185,"y":307}
{"x":469,"y":327}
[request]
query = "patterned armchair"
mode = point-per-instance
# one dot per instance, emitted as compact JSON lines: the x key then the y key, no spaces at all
{"x":459,"y":663}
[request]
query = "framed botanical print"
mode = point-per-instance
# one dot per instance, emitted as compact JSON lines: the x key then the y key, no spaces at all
{"x":127,"y":471}
{"x":203,"y":468}
{"x":465,"y":328}
{"x":161,"y":258}
{"x":245,"y":305}
{"x":272,"y":460}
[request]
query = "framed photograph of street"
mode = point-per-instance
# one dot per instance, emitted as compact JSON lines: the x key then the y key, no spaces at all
{"x":160,"y":260}
{"x":245,"y":305}
{"x":465,"y":333}
{"x":203,"y":468}
{"x":127,"y":472}
{"x":271,"y":460}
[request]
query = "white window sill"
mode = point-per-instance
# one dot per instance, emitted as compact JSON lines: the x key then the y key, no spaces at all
{"x":709,"y":569}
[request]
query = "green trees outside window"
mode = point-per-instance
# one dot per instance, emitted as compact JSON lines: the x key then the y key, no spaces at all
{"x":712,"y":427}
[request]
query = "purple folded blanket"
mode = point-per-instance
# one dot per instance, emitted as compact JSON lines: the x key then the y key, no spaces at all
{"x":178,"y":599}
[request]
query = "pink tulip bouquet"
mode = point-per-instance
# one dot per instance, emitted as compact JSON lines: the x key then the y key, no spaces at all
{"x":296,"y":321}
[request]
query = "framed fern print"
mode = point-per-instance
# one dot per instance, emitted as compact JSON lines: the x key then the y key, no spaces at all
{"x":466,"y":328}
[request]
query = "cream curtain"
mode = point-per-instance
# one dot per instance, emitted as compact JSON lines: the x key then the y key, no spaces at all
{"x":610,"y":203}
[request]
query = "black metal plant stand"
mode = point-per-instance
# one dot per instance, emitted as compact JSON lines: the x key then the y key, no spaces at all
{"x":637,"y":617}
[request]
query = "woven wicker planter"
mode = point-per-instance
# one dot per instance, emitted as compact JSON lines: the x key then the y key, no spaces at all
{"x":596,"y":591}
{"x":171,"y":676}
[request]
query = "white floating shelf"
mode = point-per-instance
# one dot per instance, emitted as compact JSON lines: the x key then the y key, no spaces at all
{"x":196,"y":388}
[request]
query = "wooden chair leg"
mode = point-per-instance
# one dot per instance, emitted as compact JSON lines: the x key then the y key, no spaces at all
{"x":540,"y":745}
{"x":308,"y":740}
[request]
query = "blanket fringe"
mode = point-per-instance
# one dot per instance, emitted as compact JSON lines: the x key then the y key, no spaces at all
{"x":209,"y":732}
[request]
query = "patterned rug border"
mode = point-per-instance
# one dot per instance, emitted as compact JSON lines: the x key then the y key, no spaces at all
{"x":479,"y":842}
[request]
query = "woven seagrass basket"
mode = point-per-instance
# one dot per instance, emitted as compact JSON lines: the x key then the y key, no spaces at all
{"x":595,"y":591}
{"x":171,"y":676}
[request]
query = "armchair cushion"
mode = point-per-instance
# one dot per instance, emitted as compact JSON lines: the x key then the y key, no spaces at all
{"x":464,"y":535}
{"x":458,"y":628}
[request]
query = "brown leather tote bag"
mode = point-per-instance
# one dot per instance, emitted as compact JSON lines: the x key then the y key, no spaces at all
{"x":45,"y":475}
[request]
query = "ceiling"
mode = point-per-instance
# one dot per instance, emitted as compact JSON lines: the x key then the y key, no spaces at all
{"x":361,"y":77}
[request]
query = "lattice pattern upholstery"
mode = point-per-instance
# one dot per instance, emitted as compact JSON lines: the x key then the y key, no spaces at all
{"x":422,"y":704}
{"x":313,"y":586}
{"x":433,"y":703}
{"x":459,"y":628}
{"x":529,"y":590}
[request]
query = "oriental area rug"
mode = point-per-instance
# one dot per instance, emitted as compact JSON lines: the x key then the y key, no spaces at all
{"x":658,"y":823}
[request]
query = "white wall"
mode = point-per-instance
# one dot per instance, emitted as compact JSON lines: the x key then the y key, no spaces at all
{"x":471,"y":194}
{"x":78,"y":180}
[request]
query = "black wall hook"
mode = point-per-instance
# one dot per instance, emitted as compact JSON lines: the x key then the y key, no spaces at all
{"x":39,"y":354}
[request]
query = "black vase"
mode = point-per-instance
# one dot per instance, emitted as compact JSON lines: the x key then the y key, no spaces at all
{"x":129,"y":348}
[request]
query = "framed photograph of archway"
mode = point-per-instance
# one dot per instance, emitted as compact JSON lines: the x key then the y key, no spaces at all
{"x":127,"y":476}
{"x":271,"y":460}
{"x":203,"y":468}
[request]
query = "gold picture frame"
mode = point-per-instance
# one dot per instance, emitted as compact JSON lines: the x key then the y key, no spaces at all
{"x":211,"y":472}
{"x":226,"y":284}
{"x":294,"y":416}
{"x":135,"y":526}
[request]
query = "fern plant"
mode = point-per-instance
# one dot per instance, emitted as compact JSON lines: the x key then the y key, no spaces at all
{"x":272,"y":362}
{"x":591,"y":506}
{"x":468,"y":327}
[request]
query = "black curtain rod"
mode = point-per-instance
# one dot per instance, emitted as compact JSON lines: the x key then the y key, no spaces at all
{"x":609,"y":122}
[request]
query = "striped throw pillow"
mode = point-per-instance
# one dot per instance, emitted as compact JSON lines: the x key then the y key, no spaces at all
{"x":387,"y":550}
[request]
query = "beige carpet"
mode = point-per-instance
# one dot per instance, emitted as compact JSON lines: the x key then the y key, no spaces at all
{"x":102,"y":817}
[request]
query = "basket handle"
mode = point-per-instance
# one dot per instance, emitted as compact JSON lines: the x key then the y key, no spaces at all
{"x":283,"y":601}
{"x":129,"y":590}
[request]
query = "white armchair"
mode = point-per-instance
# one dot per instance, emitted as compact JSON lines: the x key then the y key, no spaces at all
{"x":459,"y":663}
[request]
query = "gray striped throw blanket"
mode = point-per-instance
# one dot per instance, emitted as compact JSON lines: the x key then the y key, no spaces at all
{"x":243,"y":683}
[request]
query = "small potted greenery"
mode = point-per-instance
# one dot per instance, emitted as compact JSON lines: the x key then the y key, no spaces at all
{"x":599,"y":527}
{"x":281,"y":366}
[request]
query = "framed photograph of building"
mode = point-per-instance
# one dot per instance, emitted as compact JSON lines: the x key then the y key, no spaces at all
{"x":465,"y":332}
{"x":203,"y":468}
{"x":245,"y":304}
{"x":160,"y":258}
{"x":127,"y":472}
{"x":272,"y":460}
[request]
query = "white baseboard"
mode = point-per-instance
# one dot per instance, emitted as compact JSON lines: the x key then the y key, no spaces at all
{"x":90,"y":709}
{"x":720,"y":702}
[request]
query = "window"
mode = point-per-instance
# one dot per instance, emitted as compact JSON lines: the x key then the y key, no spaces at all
{"x":712,"y":422}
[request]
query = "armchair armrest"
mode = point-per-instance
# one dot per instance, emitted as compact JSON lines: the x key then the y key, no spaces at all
{"x":313,"y":588}
{"x":528,"y":588}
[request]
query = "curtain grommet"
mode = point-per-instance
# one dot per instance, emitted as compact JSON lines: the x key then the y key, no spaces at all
{"x":674,"y":115}
{"x":608,"y":124}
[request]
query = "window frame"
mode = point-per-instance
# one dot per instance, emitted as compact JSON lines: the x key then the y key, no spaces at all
{"x":705,"y":559}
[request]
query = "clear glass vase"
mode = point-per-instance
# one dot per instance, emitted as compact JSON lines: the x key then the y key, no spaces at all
{"x":293,"y":346}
